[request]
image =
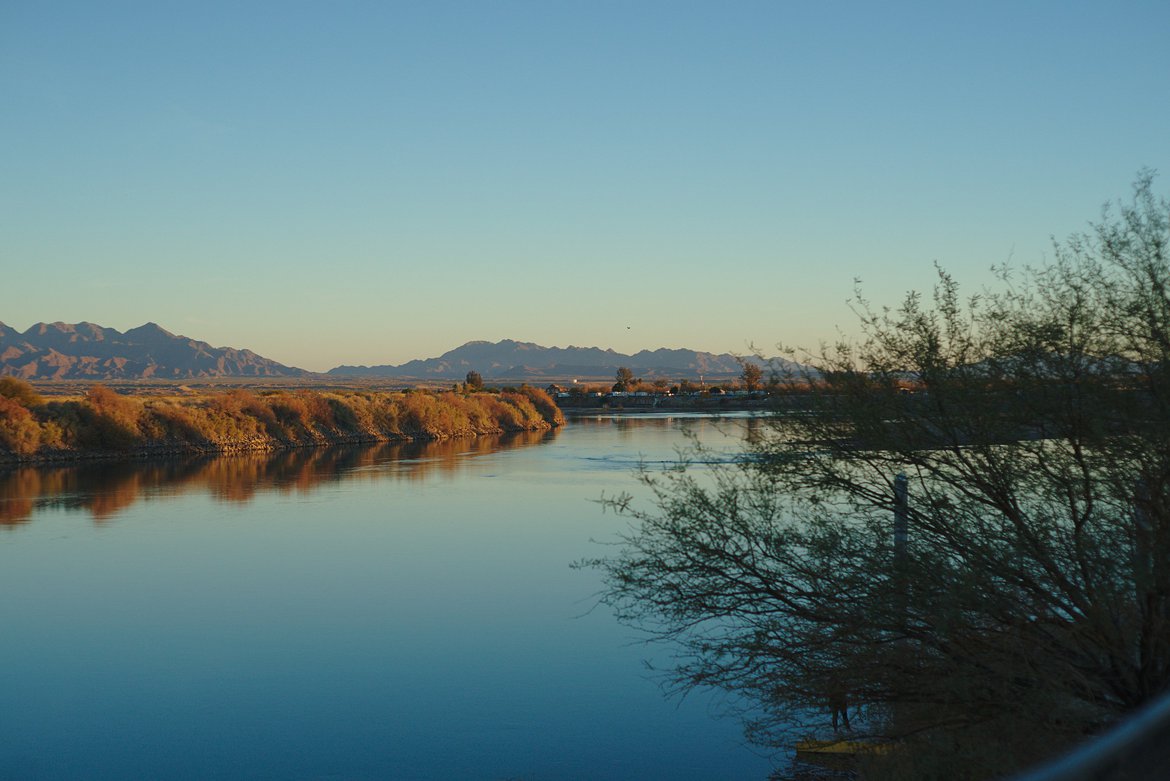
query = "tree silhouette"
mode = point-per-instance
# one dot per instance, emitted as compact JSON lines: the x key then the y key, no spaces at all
{"x":751,"y":375}
{"x":964,"y":526}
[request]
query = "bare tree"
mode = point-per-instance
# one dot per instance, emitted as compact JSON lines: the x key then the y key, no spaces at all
{"x":751,"y":375}
{"x":1028,"y":603}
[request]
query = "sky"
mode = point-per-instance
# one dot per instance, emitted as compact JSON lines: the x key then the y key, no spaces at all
{"x":370,"y":182}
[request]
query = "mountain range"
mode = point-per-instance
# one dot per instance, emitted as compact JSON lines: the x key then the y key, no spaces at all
{"x":85,"y":351}
{"x":64,"y":351}
{"x":513,"y":360}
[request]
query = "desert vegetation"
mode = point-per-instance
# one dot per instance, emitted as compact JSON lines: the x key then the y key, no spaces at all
{"x":104,"y":422}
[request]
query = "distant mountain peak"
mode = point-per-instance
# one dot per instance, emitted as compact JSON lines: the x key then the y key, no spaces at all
{"x":86,"y":350}
{"x":149,"y":331}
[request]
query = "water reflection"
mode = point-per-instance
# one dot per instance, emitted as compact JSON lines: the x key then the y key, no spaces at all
{"x":626,"y":424}
{"x":107,"y":488}
{"x":721,"y":438}
{"x":414,"y":618}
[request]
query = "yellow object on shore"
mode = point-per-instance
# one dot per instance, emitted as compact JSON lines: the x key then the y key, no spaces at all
{"x":841,"y":747}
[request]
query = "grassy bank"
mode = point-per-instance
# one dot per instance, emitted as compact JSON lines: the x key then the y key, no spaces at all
{"x":104,"y":423}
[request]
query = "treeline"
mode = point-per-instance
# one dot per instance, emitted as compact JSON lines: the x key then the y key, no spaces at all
{"x":104,"y":422}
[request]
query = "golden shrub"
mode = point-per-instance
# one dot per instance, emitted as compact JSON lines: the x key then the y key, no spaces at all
{"x":19,"y":431}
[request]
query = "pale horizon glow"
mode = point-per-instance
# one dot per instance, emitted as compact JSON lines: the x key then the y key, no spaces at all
{"x":369,"y":183}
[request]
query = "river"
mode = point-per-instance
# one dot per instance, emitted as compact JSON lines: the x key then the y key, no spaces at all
{"x":390,"y":612}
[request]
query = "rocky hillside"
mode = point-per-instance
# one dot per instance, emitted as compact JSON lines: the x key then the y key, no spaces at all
{"x":63,"y":351}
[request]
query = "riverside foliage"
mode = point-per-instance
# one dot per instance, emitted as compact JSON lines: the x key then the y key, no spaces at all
{"x":105,"y":422}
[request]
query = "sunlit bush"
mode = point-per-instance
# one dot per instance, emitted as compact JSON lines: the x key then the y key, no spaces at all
{"x":544,"y":404}
{"x":182,"y":423}
{"x":19,"y":391}
{"x":109,"y":421}
{"x":19,"y":432}
{"x":105,"y":421}
{"x":318,"y":410}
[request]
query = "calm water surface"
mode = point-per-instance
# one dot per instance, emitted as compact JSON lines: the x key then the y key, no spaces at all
{"x":393,"y":612}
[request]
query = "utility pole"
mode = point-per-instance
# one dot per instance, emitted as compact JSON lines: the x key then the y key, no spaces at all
{"x":901,"y":519}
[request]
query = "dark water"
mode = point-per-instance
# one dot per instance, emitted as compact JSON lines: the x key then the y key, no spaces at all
{"x":391,"y":612}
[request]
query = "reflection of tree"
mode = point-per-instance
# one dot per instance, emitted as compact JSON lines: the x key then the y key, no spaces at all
{"x":691,"y":425}
{"x":105,"y":489}
{"x":754,"y":429}
{"x":24,"y":489}
{"x":16,"y":492}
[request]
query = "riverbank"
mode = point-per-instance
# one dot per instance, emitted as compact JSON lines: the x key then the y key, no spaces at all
{"x":702,"y":403}
{"x":105,"y":424}
{"x":707,"y":406}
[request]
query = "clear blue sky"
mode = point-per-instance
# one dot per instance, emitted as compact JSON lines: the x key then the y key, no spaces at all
{"x":370,"y":182}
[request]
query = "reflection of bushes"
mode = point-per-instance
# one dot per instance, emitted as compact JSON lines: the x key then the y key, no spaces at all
{"x":105,"y":488}
{"x":104,"y":421}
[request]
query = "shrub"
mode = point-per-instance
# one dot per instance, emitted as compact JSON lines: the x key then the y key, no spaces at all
{"x":19,"y":432}
{"x":290,"y":412}
{"x":106,"y":421}
{"x":318,"y":410}
{"x":19,"y":391}
{"x":544,"y":404}
{"x":179,"y":422}
{"x":343,"y":415}
{"x":112,"y":422}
